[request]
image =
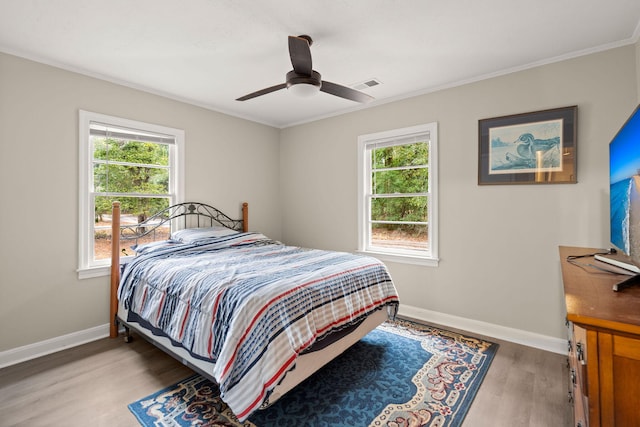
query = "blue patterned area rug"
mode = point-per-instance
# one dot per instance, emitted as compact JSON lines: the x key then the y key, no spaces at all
{"x":399,"y":375}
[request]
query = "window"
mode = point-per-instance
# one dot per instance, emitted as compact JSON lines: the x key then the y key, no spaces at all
{"x":397,"y":194}
{"x":138,"y":164}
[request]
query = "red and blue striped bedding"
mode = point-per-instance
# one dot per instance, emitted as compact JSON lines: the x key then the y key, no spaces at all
{"x":252,"y":305}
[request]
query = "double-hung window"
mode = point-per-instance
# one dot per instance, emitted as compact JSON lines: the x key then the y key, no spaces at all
{"x":397,"y":194}
{"x":135,"y":163}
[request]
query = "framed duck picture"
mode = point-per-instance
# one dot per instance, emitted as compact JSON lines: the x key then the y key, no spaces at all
{"x":529,"y":148}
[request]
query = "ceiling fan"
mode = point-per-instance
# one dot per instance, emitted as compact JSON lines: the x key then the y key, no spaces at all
{"x":305,"y":81}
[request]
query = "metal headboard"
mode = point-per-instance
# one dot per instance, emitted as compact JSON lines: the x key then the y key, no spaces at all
{"x":180,"y":216}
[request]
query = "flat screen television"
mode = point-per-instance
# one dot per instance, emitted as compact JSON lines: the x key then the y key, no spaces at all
{"x":624,"y":195}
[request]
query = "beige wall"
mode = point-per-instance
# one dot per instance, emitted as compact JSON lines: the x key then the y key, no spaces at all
{"x":40,"y":294}
{"x":498,"y":244}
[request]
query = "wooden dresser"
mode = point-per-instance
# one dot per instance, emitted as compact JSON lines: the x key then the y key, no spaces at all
{"x":604,"y":344}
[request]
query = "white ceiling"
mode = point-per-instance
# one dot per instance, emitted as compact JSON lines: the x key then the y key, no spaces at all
{"x":210,"y":52}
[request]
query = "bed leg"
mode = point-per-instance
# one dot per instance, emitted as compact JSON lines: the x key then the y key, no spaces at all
{"x":127,"y":335}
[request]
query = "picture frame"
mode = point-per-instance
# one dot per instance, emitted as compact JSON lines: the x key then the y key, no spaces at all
{"x":529,"y":148}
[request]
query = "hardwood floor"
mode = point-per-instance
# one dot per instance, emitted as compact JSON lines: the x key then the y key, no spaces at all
{"x":523,"y":387}
{"x":91,"y":385}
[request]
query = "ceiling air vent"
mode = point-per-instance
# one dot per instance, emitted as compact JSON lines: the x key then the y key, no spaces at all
{"x":366,"y":84}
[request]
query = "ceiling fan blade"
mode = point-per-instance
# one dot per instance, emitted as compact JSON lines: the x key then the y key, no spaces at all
{"x":262,"y":92}
{"x":300,"y":54}
{"x":345,"y":92}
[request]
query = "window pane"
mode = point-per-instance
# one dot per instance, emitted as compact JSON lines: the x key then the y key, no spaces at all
{"x":400,"y":236}
{"x":118,"y":150}
{"x":397,"y":189}
{"x":400,"y":155}
{"x":130,"y":179}
{"x":133,"y":210}
{"x":399,"y":209}
{"x":400,"y":181}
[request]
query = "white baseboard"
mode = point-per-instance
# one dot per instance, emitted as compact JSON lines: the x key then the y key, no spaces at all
{"x":518,"y":336}
{"x":543,"y":342}
{"x":42,"y":348}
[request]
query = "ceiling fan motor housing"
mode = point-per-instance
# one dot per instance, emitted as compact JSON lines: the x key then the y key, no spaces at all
{"x":294,"y":78}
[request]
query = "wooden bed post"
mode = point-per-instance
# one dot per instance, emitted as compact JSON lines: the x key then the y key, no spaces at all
{"x":115,"y":268}
{"x":245,"y":217}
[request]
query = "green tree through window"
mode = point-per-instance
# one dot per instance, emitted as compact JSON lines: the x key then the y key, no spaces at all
{"x":130,"y":167}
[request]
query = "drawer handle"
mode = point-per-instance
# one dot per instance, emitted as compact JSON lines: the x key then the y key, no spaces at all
{"x":580,"y":352}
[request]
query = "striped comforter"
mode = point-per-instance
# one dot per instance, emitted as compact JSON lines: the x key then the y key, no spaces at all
{"x":252,"y":305}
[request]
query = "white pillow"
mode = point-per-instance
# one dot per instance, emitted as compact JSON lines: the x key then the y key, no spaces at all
{"x":146,"y":248}
{"x":193,"y":235}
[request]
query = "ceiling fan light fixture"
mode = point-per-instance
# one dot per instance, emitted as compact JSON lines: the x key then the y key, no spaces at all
{"x":302,"y":85}
{"x":304,"y":90}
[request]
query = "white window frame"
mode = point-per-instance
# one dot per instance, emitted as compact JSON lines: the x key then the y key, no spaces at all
{"x":87,"y":267}
{"x":428,"y":257}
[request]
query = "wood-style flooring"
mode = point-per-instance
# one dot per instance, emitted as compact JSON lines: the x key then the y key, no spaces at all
{"x":91,"y":385}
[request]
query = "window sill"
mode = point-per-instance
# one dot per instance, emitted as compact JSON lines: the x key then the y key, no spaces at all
{"x":88,"y":273}
{"x":402,"y":259}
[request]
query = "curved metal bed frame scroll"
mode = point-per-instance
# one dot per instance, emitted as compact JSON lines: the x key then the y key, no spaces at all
{"x":179,"y":216}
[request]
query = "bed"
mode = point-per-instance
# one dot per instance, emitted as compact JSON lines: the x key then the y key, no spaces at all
{"x":251,"y":314}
